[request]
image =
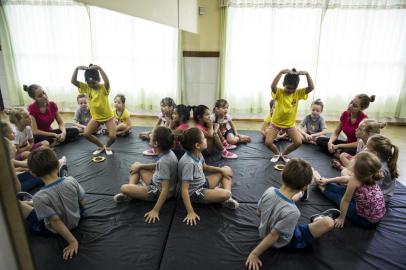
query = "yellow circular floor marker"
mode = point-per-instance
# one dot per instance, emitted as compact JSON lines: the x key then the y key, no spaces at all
{"x":279,"y":167}
{"x":98,"y":159}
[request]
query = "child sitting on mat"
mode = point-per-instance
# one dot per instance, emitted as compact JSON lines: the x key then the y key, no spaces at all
{"x":362,"y":200}
{"x":160,"y":177}
{"x":227,"y":130}
{"x":57,"y":206}
{"x":23,"y":137}
{"x":284,"y":116}
{"x":164,"y":120}
{"x":82,"y":115}
{"x":313,"y":125}
{"x":196,"y":187}
{"x":179,"y":123}
{"x":122,"y":116}
{"x":266,"y":125}
{"x":388,"y":153}
{"x":98,"y":94}
{"x":279,"y":215}
{"x":201,"y":115}
{"x":365,"y":130}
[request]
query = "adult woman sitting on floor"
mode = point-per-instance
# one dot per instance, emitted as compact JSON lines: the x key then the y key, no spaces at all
{"x":349,"y":122}
{"x":43,"y":113}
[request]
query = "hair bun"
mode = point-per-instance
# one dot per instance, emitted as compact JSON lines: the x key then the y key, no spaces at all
{"x":382,"y":124}
{"x":90,"y":64}
{"x":294,"y":69}
{"x":25,"y":87}
{"x":372,"y":98}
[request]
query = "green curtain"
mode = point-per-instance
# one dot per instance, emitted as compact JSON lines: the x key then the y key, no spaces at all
{"x":222,"y":40}
{"x":13,"y":86}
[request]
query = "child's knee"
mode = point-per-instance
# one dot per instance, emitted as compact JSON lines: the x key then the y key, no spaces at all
{"x":45,"y":144}
{"x":327,"y":222}
{"x":124,"y":188}
{"x":298,"y":142}
{"x":225,"y":195}
{"x":232,"y":140}
{"x":228,"y":169}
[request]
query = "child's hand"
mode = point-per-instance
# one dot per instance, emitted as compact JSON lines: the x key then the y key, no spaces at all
{"x":302,"y":73}
{"x":135,"y":167}
{"x":81,"y":68}
{"x":308,"y":137}
{"x":70,"y":250}
{"x":323,"y":182}
{"x":330,"y":147}
{"x":151,"y":216}
{"x":253,"y":262}
{"x":94,"y":67}
{"x":339,"y":222}
{"x":286,"y":71}
{"x":191,"y":219}
{"x":216,"y":127}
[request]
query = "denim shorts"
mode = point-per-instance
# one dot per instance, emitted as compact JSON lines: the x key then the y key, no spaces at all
{"x":35,"y":225}
{"x":301,"y":238}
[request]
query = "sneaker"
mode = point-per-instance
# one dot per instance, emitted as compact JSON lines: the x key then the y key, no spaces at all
{"x":150,"y":152}
{"x":305,"y":195}
{"x":228,"y":146}
{"x":121,"y":198}
{"x":24,"y":196}
{"x":98,"y":151}
{"x":275,"y":158}
{"x":105,"y":132}
{"x":285,"y":158}
{"x":229,"y":155}
{"x":63,"y":168}
{"x":231,"y":203}
{"x":109,"y":152}
{"x":333,"y":213}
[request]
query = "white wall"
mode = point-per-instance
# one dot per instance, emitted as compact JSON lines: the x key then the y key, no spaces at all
{"x":200,"y":77}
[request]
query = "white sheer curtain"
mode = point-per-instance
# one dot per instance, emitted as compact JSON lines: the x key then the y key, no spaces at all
{"x":363,"y":51}
{"x":140,"y":57}
{"x":261,"y":42}
{"x":348,"y":47}
{"x":51,"y":38}
{"x":48,"y":42}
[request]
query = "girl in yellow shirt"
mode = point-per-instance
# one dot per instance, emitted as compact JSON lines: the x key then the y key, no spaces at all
{"x":122,"y":116}
{"x":284,"y":115}
{"x":100,"y":109}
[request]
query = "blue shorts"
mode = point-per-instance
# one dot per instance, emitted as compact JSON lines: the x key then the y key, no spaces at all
{"x":35,"y":225}
{"x":301,"y":238}
{"x":198,"y":195}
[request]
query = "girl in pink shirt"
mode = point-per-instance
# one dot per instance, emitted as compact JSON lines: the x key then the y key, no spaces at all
{"x":201,"y":115}
{"x":362,"y":200}
{"x":349,"y":122}
{"x":43,"y":113}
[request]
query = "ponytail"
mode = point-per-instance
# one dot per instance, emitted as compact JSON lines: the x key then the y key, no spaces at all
{"x":392,"y":162}
{"x":365,"y":100}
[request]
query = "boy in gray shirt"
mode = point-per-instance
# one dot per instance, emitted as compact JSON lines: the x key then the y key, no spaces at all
{"x":82,"y":114}
{"x":57,"y":206}
{"x":279,"y":215}
{"x":313,"y":125}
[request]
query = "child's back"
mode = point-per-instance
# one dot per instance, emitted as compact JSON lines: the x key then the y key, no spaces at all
{"x":280,"y":213}
{"x":167,"y":169}
{"x":59,"y":198}
{"x":191,"y":169}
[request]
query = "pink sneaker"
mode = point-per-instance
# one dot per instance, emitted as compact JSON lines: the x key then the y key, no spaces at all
{"x":229,"y":146}
{"x":150,"y":152}
{"x":229,"y":155}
